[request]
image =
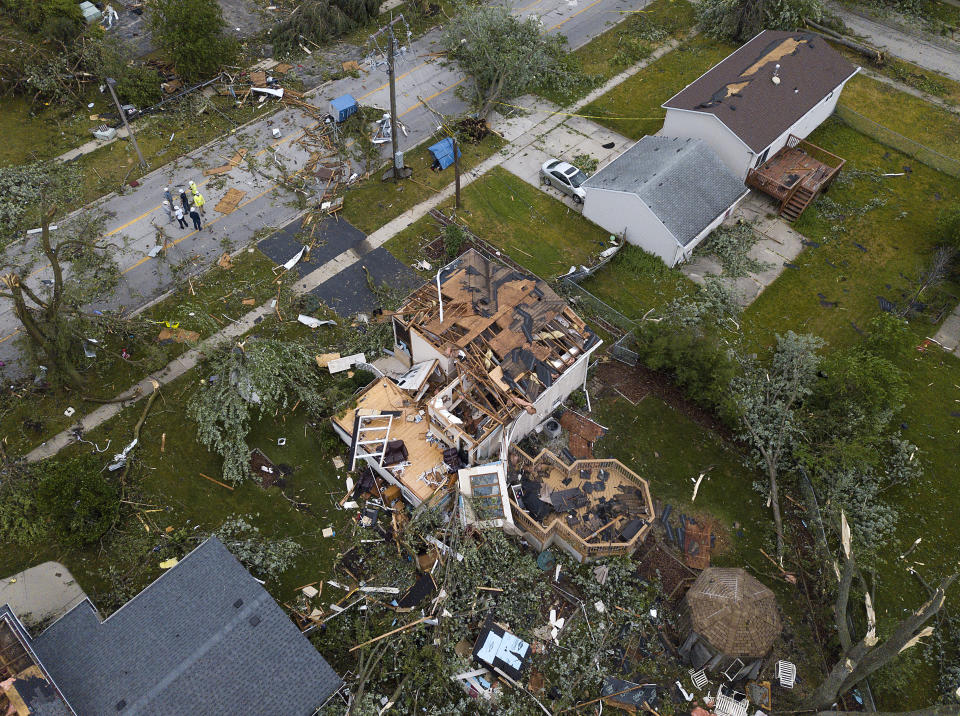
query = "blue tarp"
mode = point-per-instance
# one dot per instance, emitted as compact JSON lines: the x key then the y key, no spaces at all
{"x":343,"y":107}
{"x":442,"y":152}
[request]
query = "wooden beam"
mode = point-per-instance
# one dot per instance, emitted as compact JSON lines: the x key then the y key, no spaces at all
{"x":394,"y":631}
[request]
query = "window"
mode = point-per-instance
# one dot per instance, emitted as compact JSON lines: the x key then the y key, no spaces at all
{"x":560,"y":177}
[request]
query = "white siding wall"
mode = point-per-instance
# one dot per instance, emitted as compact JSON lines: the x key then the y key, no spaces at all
{"x":625,"y":214}
{"x":734,"y":153}
{"x":804,"y":126}
{"x":422,"y":350}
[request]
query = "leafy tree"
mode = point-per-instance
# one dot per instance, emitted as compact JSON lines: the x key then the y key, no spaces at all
{"x":506,"y":55}
{"x":191,"y":34}
{"x":29,"y":190}
{"x":256,"y":377}
{"x":53,"y":314}
{"x":76,"y":499}
{"x":321,"y":21}
{"x":57,"y":19}
{"x":20,"y":520}
{"x":767,"y":399}
{"x":740,"y":20}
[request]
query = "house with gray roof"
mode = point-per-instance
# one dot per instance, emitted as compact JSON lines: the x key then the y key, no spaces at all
{"x":204,"y":638}
{"x":663,"y":194}
{"x":778,"y":84}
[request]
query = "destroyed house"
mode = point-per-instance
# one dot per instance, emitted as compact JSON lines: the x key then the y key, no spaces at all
{"x":203,"y":638}
{"x":492,"y":352}
{"x":746,"y":107}
{"x":590,"y":508}
{"x":26,"y":686}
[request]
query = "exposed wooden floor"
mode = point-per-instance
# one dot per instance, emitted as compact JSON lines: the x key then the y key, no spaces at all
{"x":384,"y":396}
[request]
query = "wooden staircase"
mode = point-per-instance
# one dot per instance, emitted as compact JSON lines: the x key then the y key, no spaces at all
{"x":796,"y":202}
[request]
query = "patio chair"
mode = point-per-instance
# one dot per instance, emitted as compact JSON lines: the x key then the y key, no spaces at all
{"x":699,"y":678}
{"x":786,"y":674}
{"x":729,"y":706}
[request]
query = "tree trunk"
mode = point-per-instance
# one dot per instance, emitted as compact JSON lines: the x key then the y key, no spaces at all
{"x":775,"y":504}
{"x":493,"y":96}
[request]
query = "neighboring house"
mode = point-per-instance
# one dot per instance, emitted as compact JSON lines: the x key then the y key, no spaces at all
{"x":663,"y":194}
{"x":495,"y":351}
{"x":204,"y":638}
{"x":746,"y":107}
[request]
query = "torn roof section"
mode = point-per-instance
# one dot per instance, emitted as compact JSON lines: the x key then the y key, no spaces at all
{"x":508,"y":329}
{"x":741,"y":92}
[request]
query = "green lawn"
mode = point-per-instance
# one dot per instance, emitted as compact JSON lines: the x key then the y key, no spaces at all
{"x":915,"y":118}
{"x":636,"y":102}
{"x":37,"y":133}
{"x":533,"y":229}
{"x":372,"y":203}
{"x":625,"y":44}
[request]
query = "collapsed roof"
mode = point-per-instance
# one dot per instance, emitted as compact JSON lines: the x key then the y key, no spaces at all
{"x":508,"y":331}
{"x":741,"y":92}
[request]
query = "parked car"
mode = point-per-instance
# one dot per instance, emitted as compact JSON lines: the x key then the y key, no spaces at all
{"x":565,"y":177}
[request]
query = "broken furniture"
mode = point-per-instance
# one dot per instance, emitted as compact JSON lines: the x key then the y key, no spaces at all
{"x":728,"y":705}
{"x":796,"y":175}
{"x":699,"y":678}
{"x":786,"y":673}
{"x":501,"y":651}
{"x":628,"y":695}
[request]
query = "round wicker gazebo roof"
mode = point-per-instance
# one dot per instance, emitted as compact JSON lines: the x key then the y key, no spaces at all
{"x":734,"y":612}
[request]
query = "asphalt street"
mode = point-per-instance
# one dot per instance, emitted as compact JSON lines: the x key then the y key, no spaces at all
{"x":136,"y":221}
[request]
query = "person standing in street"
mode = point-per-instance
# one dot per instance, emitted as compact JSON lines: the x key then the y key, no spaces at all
{"x":199,"y":201}
{"x":178,"y":212}
{"x":195,"y":215}
{"x":167,"y":195}
{"x":169,"y":209}
{"x":184,"y":201}
{"x":193,"y":187}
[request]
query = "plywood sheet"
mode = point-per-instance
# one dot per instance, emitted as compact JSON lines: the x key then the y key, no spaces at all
{"x":230,"y":201}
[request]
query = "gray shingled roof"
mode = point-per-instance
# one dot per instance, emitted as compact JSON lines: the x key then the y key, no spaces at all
{"x":204,"y":638}
{"x":682,"y":180}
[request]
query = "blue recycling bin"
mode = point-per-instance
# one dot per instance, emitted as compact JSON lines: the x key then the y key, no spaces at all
{"x":442,"y":153}
{"x":343,"y":107}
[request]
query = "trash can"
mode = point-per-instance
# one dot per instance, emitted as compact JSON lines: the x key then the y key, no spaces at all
{"x":343,"y":107}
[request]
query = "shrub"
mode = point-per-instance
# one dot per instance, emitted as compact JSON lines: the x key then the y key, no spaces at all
{"x":20,"y":520}
{"x":948,"y":226}
{"x":453,"y":238}
{"x":696,"y":361}
{"x":76,"y":500}
{"x":59,"y":19}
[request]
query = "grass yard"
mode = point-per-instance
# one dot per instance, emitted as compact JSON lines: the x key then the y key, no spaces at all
{"x":897,"y":233}
{"x":627,"y":43}
{"x":34,"y":134}
{"x":633,"y":107}
{"x":215,"y":293}
{"x":166,"y":489}
{"x":534,"y":229}
{"x":915,"y":118}
{"x":373,"y":203}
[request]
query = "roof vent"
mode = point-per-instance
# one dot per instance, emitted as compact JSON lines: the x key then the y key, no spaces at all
{"x":121,"y":704}
{"x":776,"y":74}
{"x":237,"y":604}
{"x":254,"y":620}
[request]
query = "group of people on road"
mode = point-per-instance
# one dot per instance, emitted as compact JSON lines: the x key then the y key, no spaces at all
{"x":192,"y":207}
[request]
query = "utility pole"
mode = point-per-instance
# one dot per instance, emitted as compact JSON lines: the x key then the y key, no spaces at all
{"x":123,"y":115}
{"x":393,"y":50}
{"x":456,"y":170}
{"x":391,"y":71}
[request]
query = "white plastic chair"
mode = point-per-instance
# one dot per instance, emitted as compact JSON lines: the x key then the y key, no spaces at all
{"x":786,"y":674}
{"x":699,"y":678}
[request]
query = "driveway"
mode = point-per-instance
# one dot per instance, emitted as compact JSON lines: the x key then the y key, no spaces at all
{"x":41,"y":594}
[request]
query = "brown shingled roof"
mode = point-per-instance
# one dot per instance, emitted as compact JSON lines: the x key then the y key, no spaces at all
{"x":734,"y":612}
{"x":740,"y":91}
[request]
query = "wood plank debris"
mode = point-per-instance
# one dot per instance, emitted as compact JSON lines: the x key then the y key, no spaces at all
{"x":228,"y":204}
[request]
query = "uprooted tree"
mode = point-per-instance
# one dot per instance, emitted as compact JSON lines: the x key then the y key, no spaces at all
{"x":740,"y":20}
{"x":768,"y":397}
{"x":859,"y":659}
{"x":51,"y":284}
{"x":506,"y":55}
{"x":191,"y":34}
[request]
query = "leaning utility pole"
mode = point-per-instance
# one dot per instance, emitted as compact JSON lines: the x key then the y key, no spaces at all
{"x":392,"y":51}
{"x":123,"y":115}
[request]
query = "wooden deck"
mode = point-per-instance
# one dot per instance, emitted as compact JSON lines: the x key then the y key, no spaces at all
{"x":383,"y":395}
{"x":795,"y":175}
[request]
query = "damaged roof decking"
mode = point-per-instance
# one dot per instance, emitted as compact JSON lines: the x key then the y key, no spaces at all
{"x":601,"y":501}
{"x":382,"y":396}
{"x":741,"y":93}
{"x":516,"y":334}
